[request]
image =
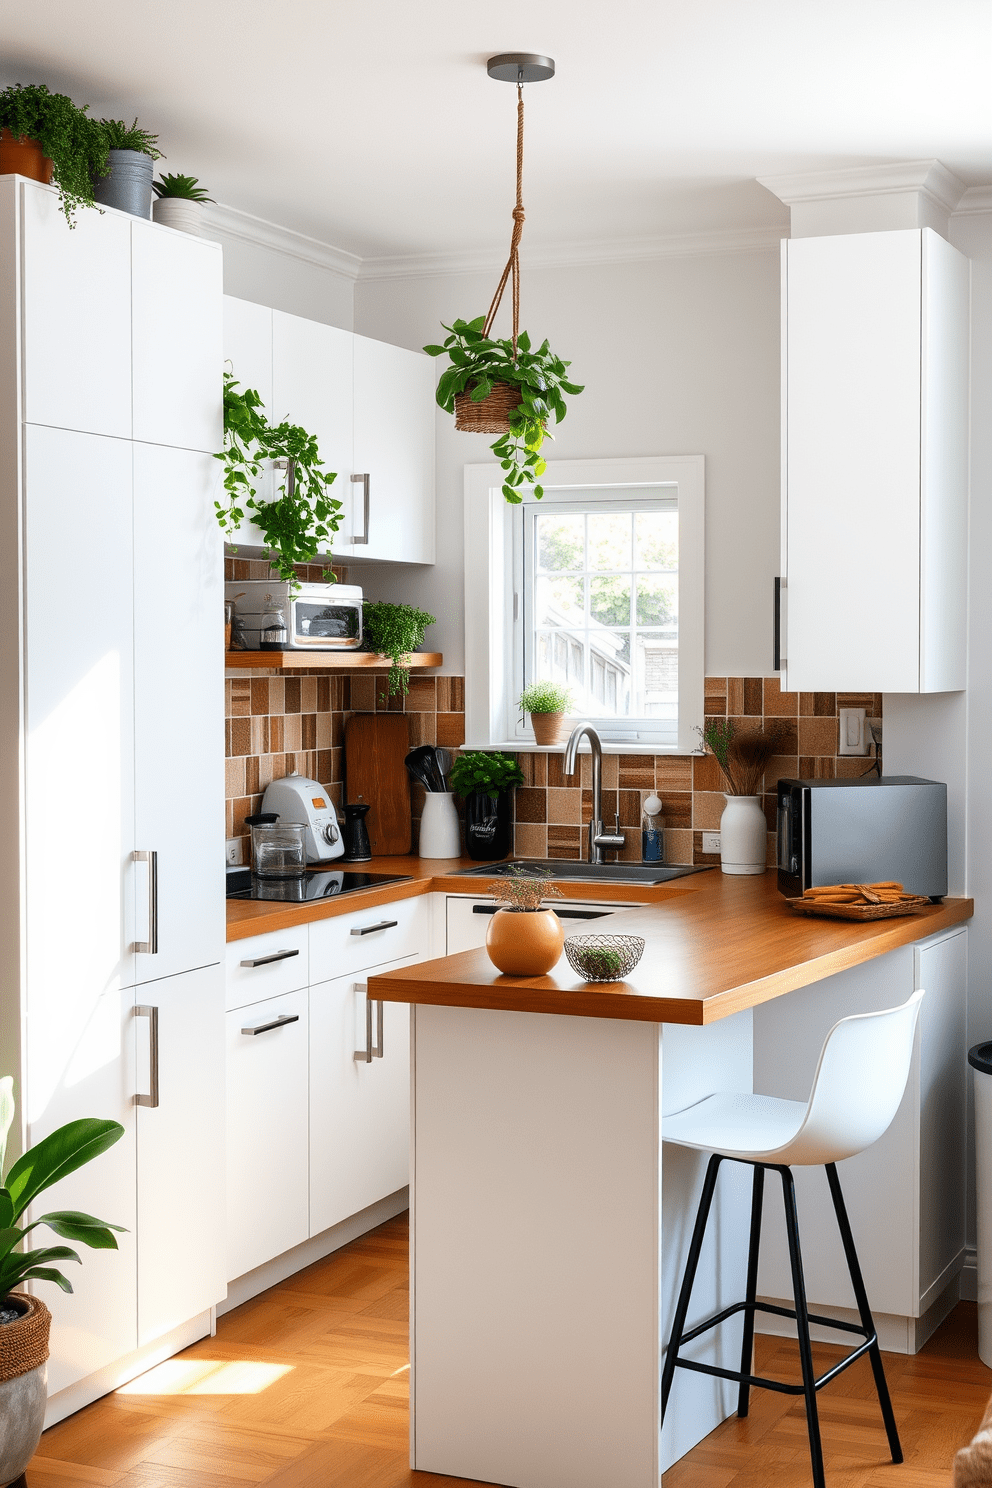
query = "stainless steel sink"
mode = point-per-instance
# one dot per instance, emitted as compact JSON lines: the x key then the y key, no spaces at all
{"x":636,"y":873}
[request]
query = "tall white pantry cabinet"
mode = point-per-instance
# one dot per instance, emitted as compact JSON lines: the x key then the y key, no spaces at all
{"x":111,"y":706}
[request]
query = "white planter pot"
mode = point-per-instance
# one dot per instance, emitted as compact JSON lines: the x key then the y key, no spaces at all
{"x":743,"y":835}
{"x":439,"y":834}
{"x":178,"y":212}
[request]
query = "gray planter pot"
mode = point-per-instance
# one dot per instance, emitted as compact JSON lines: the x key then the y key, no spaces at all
{"x":129,"y":185}
{"x":22,"y":1419}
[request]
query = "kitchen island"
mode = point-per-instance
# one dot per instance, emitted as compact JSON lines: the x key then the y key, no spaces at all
{"x":549,"y":1227}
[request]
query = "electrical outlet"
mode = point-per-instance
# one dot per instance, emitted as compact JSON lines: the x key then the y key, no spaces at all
{"x":711,"y":842}
{"x":232,"y":851}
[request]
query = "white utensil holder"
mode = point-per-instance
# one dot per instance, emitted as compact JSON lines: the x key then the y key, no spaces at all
{"x":439,"y":833}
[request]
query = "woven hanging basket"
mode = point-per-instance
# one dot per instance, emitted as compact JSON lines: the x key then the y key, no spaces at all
{"x":24,"y":1344}
{"x":490,"y":415}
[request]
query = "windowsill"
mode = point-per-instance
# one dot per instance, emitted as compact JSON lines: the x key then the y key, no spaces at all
{"x":629,"y":746}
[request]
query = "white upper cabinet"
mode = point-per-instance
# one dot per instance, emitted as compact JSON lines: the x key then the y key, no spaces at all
{"x":177,"y":292}
{"x":76,"y":335}
{"x":312,"y":386}
{"x":875,"y":409}
{"x":394,"y":447}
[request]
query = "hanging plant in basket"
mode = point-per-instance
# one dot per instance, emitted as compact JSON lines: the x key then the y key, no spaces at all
{"x":505,"y":387}
{"x":303,"y":515}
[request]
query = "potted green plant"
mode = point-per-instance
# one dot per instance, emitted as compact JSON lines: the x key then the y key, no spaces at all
{"x":394,"y":630}
{"x":132,"y":153}
{"x":44,"y":136}
{"x":303,"y":516}
{"x":179,"y":202}
{"x":524,"y":938}
{"x":505,"y":388}
{"x":547,"y":703}
{"x":485,"y":781}
{"x":24,"y":1319}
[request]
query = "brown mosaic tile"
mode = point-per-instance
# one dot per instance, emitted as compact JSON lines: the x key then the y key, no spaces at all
{"x":422,"y":697}
{"x":706,"y":774}
{"x":322,"y":768}
{"x":816,"y":767}
{"x":556,"y":772}
{"x":293,"y":686}
{"x":817,"y":736}
{"x":770,"y":806}
{"x":260,"y":695}
{"x":362,"y":693}
{"x":753,"y":696}
{"x":707,"y":809}
{"x":267,"y":770}
{"x":564,"y":836}
{"x":240,"y":736}
{"x":277,"y":734}
{"x":252,"y":775}
{"x":325,"y":731}
{"x":673,"y":773}
{"x":678,"y":845}
{"x":450,"y":694}
{"x":423,"y":729}
{"x":308,"y":736}
{"x":778,"y":703}
{"x":239,"y":693}
{"x":636,"y":771}
{"x":864,"y":700}
{"x":234,"y":776}
{"x":735,"y":695}
{"x":715,"y":695}
{"x":530,"y":840}
{"x":787,"y":733}
{"x":564,"y":805}
{"x":610,"y":806}
{"x":451,"y":729}
{"x":782,"y":767}
{"x":849,"y":767}
{"x":629,"y":807}
{"x":611,"y":771}
{"x":631,"y":850}
{"x":259,"y":735}
{"x":531,"y":805}
{"x":571,"y":853}
{"x":698,"y":856}
{"x":308,"y":694}
{"x":678,"y":810}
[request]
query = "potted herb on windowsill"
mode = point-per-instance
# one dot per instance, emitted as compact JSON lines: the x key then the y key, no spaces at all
{"x":486,"y":781}
{"x":524,"y":938}
{"x":45,"y":137}
{"x":547,"y":703}
{"x":394,"y":630}
{"x":24,"y":1319}
{"x":179,"y":203}
{"x":132,"y":155}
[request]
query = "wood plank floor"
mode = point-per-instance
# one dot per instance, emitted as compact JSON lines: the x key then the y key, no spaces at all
{"x":306,"y":1387}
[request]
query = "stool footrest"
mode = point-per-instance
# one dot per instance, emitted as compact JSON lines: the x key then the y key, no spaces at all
{"x":789,"y":1312}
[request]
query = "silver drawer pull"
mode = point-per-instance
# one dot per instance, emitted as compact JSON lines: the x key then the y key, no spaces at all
{"x":268,"y":960}
{"x":361,"y":539}
{"x":149,"y":947}
{"x":143,"y":1010}
{"x":371,"y":1050}
{"x":370,"y":929}
{"x":279,"y":1022}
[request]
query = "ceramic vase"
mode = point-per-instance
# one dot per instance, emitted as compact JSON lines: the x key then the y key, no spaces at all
{"x":488,"y":826}
{"x":547,"y":727}
{"x":178,"y":212}
{"x":439,"y":834}
{"x":743,"y":835}
{"x":23,"y":1385}
{"x":525,"y":942}
{"x":128,"y":187}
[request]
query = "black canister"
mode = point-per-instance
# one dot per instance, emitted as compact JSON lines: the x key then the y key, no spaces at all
{"x":488,"y":826}
{"x":354,"y":833}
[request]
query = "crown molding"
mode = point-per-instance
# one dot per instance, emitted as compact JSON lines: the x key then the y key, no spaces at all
{"x":976,"y":199}
{"x":577,"y":254}
{"x":229,"y":222}
{"x":929,"y":177}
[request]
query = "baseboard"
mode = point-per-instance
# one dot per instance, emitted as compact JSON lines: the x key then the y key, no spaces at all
{"x":66,"y":1402}
{"x":243,"y":1288}
{"x":969,"y":1276}
{"x":896,"y":1334}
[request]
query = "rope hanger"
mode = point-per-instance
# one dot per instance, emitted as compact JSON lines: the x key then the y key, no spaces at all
{"x":513,"y":262}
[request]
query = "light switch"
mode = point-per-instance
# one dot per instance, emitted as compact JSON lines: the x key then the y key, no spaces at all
{"x":853,"y":732}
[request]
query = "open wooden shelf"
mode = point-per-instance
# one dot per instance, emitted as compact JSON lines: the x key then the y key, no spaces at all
{"x":324,"y":661}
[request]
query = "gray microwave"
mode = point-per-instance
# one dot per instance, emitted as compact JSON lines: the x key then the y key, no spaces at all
{"x":865,"y":830}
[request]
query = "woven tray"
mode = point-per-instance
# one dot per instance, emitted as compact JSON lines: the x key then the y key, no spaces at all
{"x":858,"y":911}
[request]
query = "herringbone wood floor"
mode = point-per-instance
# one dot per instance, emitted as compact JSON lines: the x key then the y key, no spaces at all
{"x":306,"y":1387}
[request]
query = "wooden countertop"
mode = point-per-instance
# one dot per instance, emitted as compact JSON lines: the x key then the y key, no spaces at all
{"x":716,"y":945}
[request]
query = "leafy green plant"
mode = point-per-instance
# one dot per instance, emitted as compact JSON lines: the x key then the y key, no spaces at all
{"x":121,"y":136}
{"x":42,"y":1165}
{"x":521,"y":889}
{"x":393,"y":630}
{"x":303,"y":515}
{"x":184,"y":188}
{"x":75,"y":144}
{"x":600,"y":963}
{"x":478,"y":363}
{"x":545,"y":697}
{"x":478,"y":770}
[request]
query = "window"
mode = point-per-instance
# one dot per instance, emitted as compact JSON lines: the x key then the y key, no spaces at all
{"x":598,"y":586}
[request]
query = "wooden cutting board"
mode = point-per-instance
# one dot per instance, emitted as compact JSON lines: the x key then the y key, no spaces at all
{"x":375,"y":746}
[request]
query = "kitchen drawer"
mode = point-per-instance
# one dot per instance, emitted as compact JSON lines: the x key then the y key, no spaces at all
{"x":355,"y":942}
{"x":281,"y":965}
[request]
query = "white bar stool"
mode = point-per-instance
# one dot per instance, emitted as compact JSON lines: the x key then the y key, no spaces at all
{"x":859,"y":1082}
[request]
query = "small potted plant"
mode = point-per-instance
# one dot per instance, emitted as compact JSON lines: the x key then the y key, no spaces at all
{"x":742,"y":759}
{"x":24,"y":1318}
{"x":485,"y":781}
{"x":179,"y":202}
{"x":394,"y":630}
{"x":132,"y":155}
{"x":524,"y":938}
{"x":45,"y":137}
{"x":547,"y":703}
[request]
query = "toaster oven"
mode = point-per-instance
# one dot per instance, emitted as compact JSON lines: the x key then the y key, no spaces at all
{"x":314,"y":617}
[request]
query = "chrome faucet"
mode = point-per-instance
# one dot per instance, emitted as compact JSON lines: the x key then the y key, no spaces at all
{"x":598,"y":839}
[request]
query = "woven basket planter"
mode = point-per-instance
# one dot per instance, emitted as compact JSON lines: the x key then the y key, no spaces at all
{"x":490,"y":415}
{"x":23,"y":1386}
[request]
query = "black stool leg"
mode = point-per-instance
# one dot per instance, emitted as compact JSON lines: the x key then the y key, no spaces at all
{"x":802,"y":1327}
{"x":692,"y":1261}
{"x":757,"y":1190}
{"x":861,"y":1297}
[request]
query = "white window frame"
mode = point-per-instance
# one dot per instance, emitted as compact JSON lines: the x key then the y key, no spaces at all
{"x":490,"y":597}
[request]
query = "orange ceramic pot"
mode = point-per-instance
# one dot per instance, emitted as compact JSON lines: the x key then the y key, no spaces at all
{"x":525,"y":942}
{"x":20,"y":156}
{"x":547,"y":727}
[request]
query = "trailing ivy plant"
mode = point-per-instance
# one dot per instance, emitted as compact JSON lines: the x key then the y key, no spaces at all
{"x":121,"y":136}
{"x":75,"y":144}
{"x":303,"y":515}
{"x":180,"y":188}
{"x":393,"y":630}
{"x":477,"y":365}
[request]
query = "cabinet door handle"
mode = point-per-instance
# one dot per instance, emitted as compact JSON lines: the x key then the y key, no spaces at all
{"x":371,"y":1050}
{"x":370,"y":929}
{"x":143,"y":1010}
{"x":361,"y":539}
{"x":149,"y":946}
{"x":778,"y":660}
{"x":279,"y":1022}
{"x":563,"y":914}
{"x":268,"y":960}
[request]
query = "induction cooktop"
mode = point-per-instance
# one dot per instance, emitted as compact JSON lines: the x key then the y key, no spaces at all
{"x":314,"y":885}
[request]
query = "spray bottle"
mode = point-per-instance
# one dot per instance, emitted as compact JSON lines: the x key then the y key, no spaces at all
{"x":652,"y":842}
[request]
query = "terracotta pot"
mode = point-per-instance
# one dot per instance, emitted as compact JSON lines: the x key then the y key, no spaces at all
{"x":23,"y":1385}
{"x":525,"y":942}
{"x":20,"y":156}
{"x":547,"y":727}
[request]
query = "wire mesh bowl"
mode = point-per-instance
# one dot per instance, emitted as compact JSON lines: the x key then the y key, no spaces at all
{"x":604,"y":958}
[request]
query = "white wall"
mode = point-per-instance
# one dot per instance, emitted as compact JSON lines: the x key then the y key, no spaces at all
{"x":678,"y":356}
{"x":285,"y":281}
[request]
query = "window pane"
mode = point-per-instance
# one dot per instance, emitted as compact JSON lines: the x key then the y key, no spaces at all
{"x":559,"y":543}
{"x":656,"y":540}
{"x":609,"y":540}
{"x":657,"y":601}
{"x":609,"y":599}
{"x":559,"y":601}
{"x":655,"y":683}
{"x":560,"y":656}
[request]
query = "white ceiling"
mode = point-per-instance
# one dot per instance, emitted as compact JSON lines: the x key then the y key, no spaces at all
{"x":373,"y":126}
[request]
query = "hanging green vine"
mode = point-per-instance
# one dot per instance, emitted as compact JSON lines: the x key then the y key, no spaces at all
{"x":303,"y":516}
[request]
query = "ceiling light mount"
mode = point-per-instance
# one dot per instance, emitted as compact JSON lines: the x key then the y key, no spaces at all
{"x":520,"y":67}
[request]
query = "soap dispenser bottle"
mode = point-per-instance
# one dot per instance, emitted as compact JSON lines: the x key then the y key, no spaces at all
{"x":651,"y":840}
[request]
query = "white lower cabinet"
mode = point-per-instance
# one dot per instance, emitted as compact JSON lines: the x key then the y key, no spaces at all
{"x":267,"y":1124}
{"x":468,"y":919}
